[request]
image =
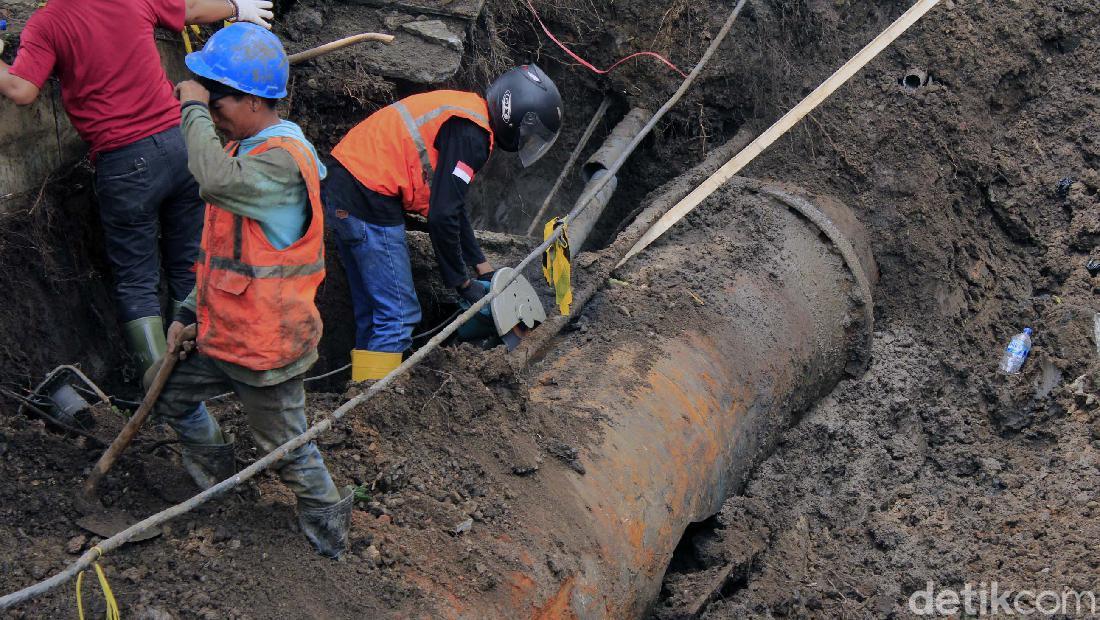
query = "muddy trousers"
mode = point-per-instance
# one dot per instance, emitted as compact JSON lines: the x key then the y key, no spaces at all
{"x":275,"y":414}
{"x":369,"y":229}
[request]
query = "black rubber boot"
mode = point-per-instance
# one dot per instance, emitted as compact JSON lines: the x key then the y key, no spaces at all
{"x":209,"y":464}
{"x":327,"y":527}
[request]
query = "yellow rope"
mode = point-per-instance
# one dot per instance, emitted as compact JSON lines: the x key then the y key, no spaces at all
{"x":108,"y":595}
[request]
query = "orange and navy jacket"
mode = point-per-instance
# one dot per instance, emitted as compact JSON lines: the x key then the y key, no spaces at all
{"x":393,"y":151}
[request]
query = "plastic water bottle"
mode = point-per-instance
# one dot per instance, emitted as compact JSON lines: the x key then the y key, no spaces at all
{"x":1016,"y":353}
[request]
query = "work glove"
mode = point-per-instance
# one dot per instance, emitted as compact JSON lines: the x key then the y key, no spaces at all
{"x":481,"y":325}
{"x":255,"y":11}
{"x":473,"y":292}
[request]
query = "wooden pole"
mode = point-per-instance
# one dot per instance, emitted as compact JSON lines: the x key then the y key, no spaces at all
{"x":338,"y":44}
{"x":126,"y":435}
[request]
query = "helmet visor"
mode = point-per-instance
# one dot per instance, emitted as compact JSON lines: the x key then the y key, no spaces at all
{"x":535,"y":139}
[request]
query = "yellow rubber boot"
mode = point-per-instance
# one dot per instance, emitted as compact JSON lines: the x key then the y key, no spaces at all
{"x":372,"y":365}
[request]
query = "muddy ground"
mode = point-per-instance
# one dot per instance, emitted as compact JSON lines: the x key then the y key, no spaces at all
{"x":980,"y":190}
{"x":978,"y":185}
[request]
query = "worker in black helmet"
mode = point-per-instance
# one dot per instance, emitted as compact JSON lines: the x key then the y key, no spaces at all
{"x":419,"y":155}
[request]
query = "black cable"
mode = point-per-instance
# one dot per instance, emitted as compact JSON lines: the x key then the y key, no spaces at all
{"x":434,"y":330}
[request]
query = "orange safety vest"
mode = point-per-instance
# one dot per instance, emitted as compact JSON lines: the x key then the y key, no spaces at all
{"x":393,"y":151}
{"x":256,"y":303}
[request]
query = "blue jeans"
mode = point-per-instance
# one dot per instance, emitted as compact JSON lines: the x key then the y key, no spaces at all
{"x":143,"y":189}
{"x":376,"y":260}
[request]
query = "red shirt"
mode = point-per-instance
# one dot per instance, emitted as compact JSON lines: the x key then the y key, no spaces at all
{"x":103,"y":52}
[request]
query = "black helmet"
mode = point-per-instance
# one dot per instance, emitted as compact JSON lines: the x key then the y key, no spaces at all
{"x":525,"y":112}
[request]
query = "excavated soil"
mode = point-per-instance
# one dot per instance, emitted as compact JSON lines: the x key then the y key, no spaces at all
{"x":976,"y":179}
{"x":980,"y":190}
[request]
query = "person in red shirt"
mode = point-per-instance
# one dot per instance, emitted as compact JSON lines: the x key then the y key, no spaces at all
{"x":120,"y":101}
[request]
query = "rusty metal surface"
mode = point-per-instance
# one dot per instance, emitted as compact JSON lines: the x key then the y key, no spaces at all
{"x":682,"y":435}
{"x":679,"y":418}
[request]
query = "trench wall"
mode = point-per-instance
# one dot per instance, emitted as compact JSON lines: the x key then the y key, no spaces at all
{"x":38,"y":139}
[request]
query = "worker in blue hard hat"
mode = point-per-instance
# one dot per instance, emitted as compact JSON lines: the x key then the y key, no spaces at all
{"x":251,"y":325}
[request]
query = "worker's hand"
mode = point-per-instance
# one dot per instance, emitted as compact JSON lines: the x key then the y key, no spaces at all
{"x":181,"y":338}
{"x":190,"y":90}
{"x":484,"y":269}
{"x":255,"y":11}
{"x":472,"y":291}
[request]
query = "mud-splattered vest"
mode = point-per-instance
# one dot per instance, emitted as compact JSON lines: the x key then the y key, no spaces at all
{"x":256,"y":304}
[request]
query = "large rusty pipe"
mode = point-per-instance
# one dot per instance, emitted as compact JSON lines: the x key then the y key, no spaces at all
{"x":682,"y":381}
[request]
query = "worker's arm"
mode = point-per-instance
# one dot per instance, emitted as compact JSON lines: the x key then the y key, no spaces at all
{"x":34,"y":62}
{"x":188,"y":307}
{"x":210,"y":11}
{"x":246,"y":186}
{"x":20,"y":91}
{"x":207,"y":11}
{"x":463,"y":150}
{"x":471,"y":250}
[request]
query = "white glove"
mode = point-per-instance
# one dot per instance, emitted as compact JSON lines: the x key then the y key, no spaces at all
{"x":255,"y":11}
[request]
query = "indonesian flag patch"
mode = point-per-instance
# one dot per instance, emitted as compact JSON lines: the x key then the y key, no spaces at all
{"x":464,"y":172}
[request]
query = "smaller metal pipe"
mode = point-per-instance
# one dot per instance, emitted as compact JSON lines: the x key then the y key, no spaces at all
{"x":616,"y":143}
{"x":586,"y":220}
{"x":536,"y":221}
{"x":596,"y":168}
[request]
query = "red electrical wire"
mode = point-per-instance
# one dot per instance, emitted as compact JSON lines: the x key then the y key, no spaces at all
{"x":589,"y":65}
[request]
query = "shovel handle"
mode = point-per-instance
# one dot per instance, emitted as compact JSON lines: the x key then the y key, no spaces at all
{"x":130,"y":430}
{"x":339,"y":43}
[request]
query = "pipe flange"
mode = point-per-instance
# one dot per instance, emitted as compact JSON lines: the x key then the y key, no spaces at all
{"x":847,"y":252}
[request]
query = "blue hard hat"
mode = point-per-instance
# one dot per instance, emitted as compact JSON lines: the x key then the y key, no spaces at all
{"x":245,"y":56}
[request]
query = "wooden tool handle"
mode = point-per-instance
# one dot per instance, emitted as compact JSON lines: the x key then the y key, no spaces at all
{"x":128,"y":432}
{"x":337,"y":44}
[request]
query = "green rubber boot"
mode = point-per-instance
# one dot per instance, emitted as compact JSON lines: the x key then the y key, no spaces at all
{"x":145,"y":338}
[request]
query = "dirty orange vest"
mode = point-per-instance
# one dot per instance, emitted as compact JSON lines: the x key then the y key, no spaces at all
{"x":256,"y":303}
{"x":393,"y":151}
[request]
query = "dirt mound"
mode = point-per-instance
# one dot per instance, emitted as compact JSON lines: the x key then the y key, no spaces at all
{"x":976,"y":180}
{"x":429,"y":510}
{"x":900,"y":478}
